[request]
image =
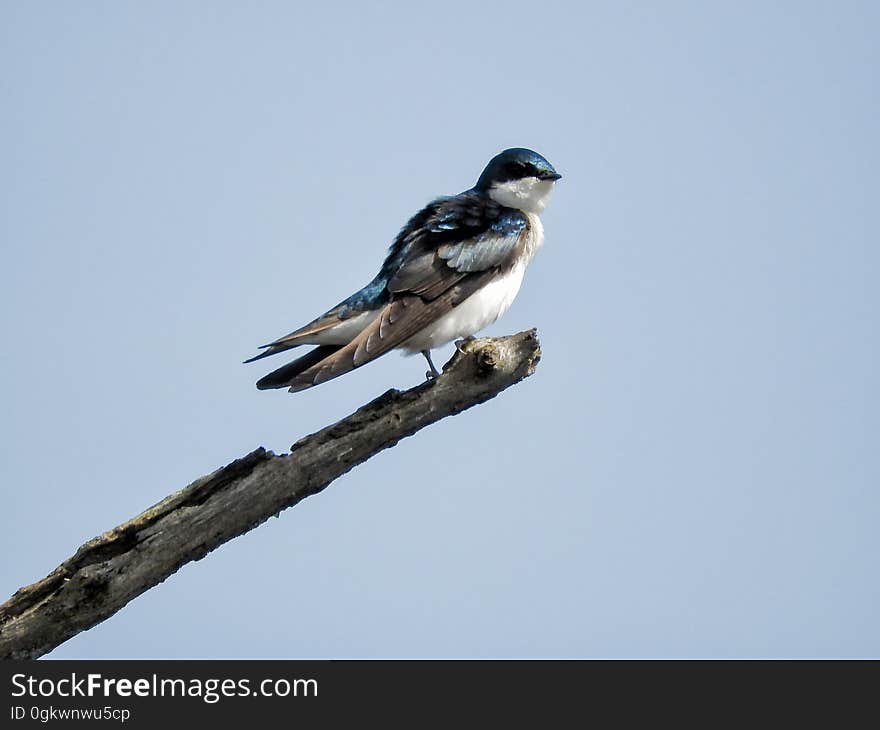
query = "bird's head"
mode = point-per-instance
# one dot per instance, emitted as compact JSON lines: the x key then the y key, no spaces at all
{"x":518,"y":178}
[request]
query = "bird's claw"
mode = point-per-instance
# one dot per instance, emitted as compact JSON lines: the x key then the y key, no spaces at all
{"x":462,"y":341}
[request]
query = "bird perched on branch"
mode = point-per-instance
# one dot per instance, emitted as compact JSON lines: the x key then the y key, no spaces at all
{"x":453,"y":269}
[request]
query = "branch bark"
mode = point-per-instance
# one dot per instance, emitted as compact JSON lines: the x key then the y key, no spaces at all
{"x":112,"y":569}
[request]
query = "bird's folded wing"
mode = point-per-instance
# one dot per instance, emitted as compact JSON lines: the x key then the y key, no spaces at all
{"x":282,"y":377}
{"x":399,"y":320}
{"x":453,"y":242}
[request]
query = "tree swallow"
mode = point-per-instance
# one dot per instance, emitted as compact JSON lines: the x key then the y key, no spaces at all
{"x":453,"y":269}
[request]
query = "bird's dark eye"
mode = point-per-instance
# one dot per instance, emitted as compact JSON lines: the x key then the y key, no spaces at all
{"x":519,"y":170}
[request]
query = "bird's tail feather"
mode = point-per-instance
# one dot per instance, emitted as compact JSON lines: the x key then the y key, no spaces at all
{"x":273,"y":350}
{"x":282,"y":377}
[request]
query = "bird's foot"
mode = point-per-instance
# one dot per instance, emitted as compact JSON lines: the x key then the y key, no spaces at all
{"x":433,"y":373}
{"x":459,"y":343}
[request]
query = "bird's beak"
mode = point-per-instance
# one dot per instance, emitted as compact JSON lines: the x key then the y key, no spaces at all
{"x":554,"y":176}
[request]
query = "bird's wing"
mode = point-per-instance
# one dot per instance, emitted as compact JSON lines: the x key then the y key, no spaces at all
{"x":446,"y":253}
{"x":450,"y":238}
{"x":282,"y":377}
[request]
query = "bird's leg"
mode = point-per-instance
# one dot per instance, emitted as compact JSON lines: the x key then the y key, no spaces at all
{"x":459,"y":343}
{"x":432,"y":373}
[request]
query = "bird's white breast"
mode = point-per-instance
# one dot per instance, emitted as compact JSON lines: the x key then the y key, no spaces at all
{"x":483,"y":307}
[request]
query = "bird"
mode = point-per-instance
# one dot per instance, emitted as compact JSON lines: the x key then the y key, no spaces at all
{"x":453,"y":269}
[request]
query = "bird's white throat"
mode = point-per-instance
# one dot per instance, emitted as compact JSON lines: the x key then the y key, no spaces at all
{"x":528,"y":194}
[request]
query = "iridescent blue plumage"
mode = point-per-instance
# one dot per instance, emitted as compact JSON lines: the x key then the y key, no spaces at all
{"x":373,"y":295}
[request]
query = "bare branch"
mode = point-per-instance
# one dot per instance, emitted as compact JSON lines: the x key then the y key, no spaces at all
{"x":112,"y":569}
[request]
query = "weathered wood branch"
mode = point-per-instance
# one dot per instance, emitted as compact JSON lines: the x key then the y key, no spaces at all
{"x":116,"y":567}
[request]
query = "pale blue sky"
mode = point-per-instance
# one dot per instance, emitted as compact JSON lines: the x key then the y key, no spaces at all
{"x":692,"y":472}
